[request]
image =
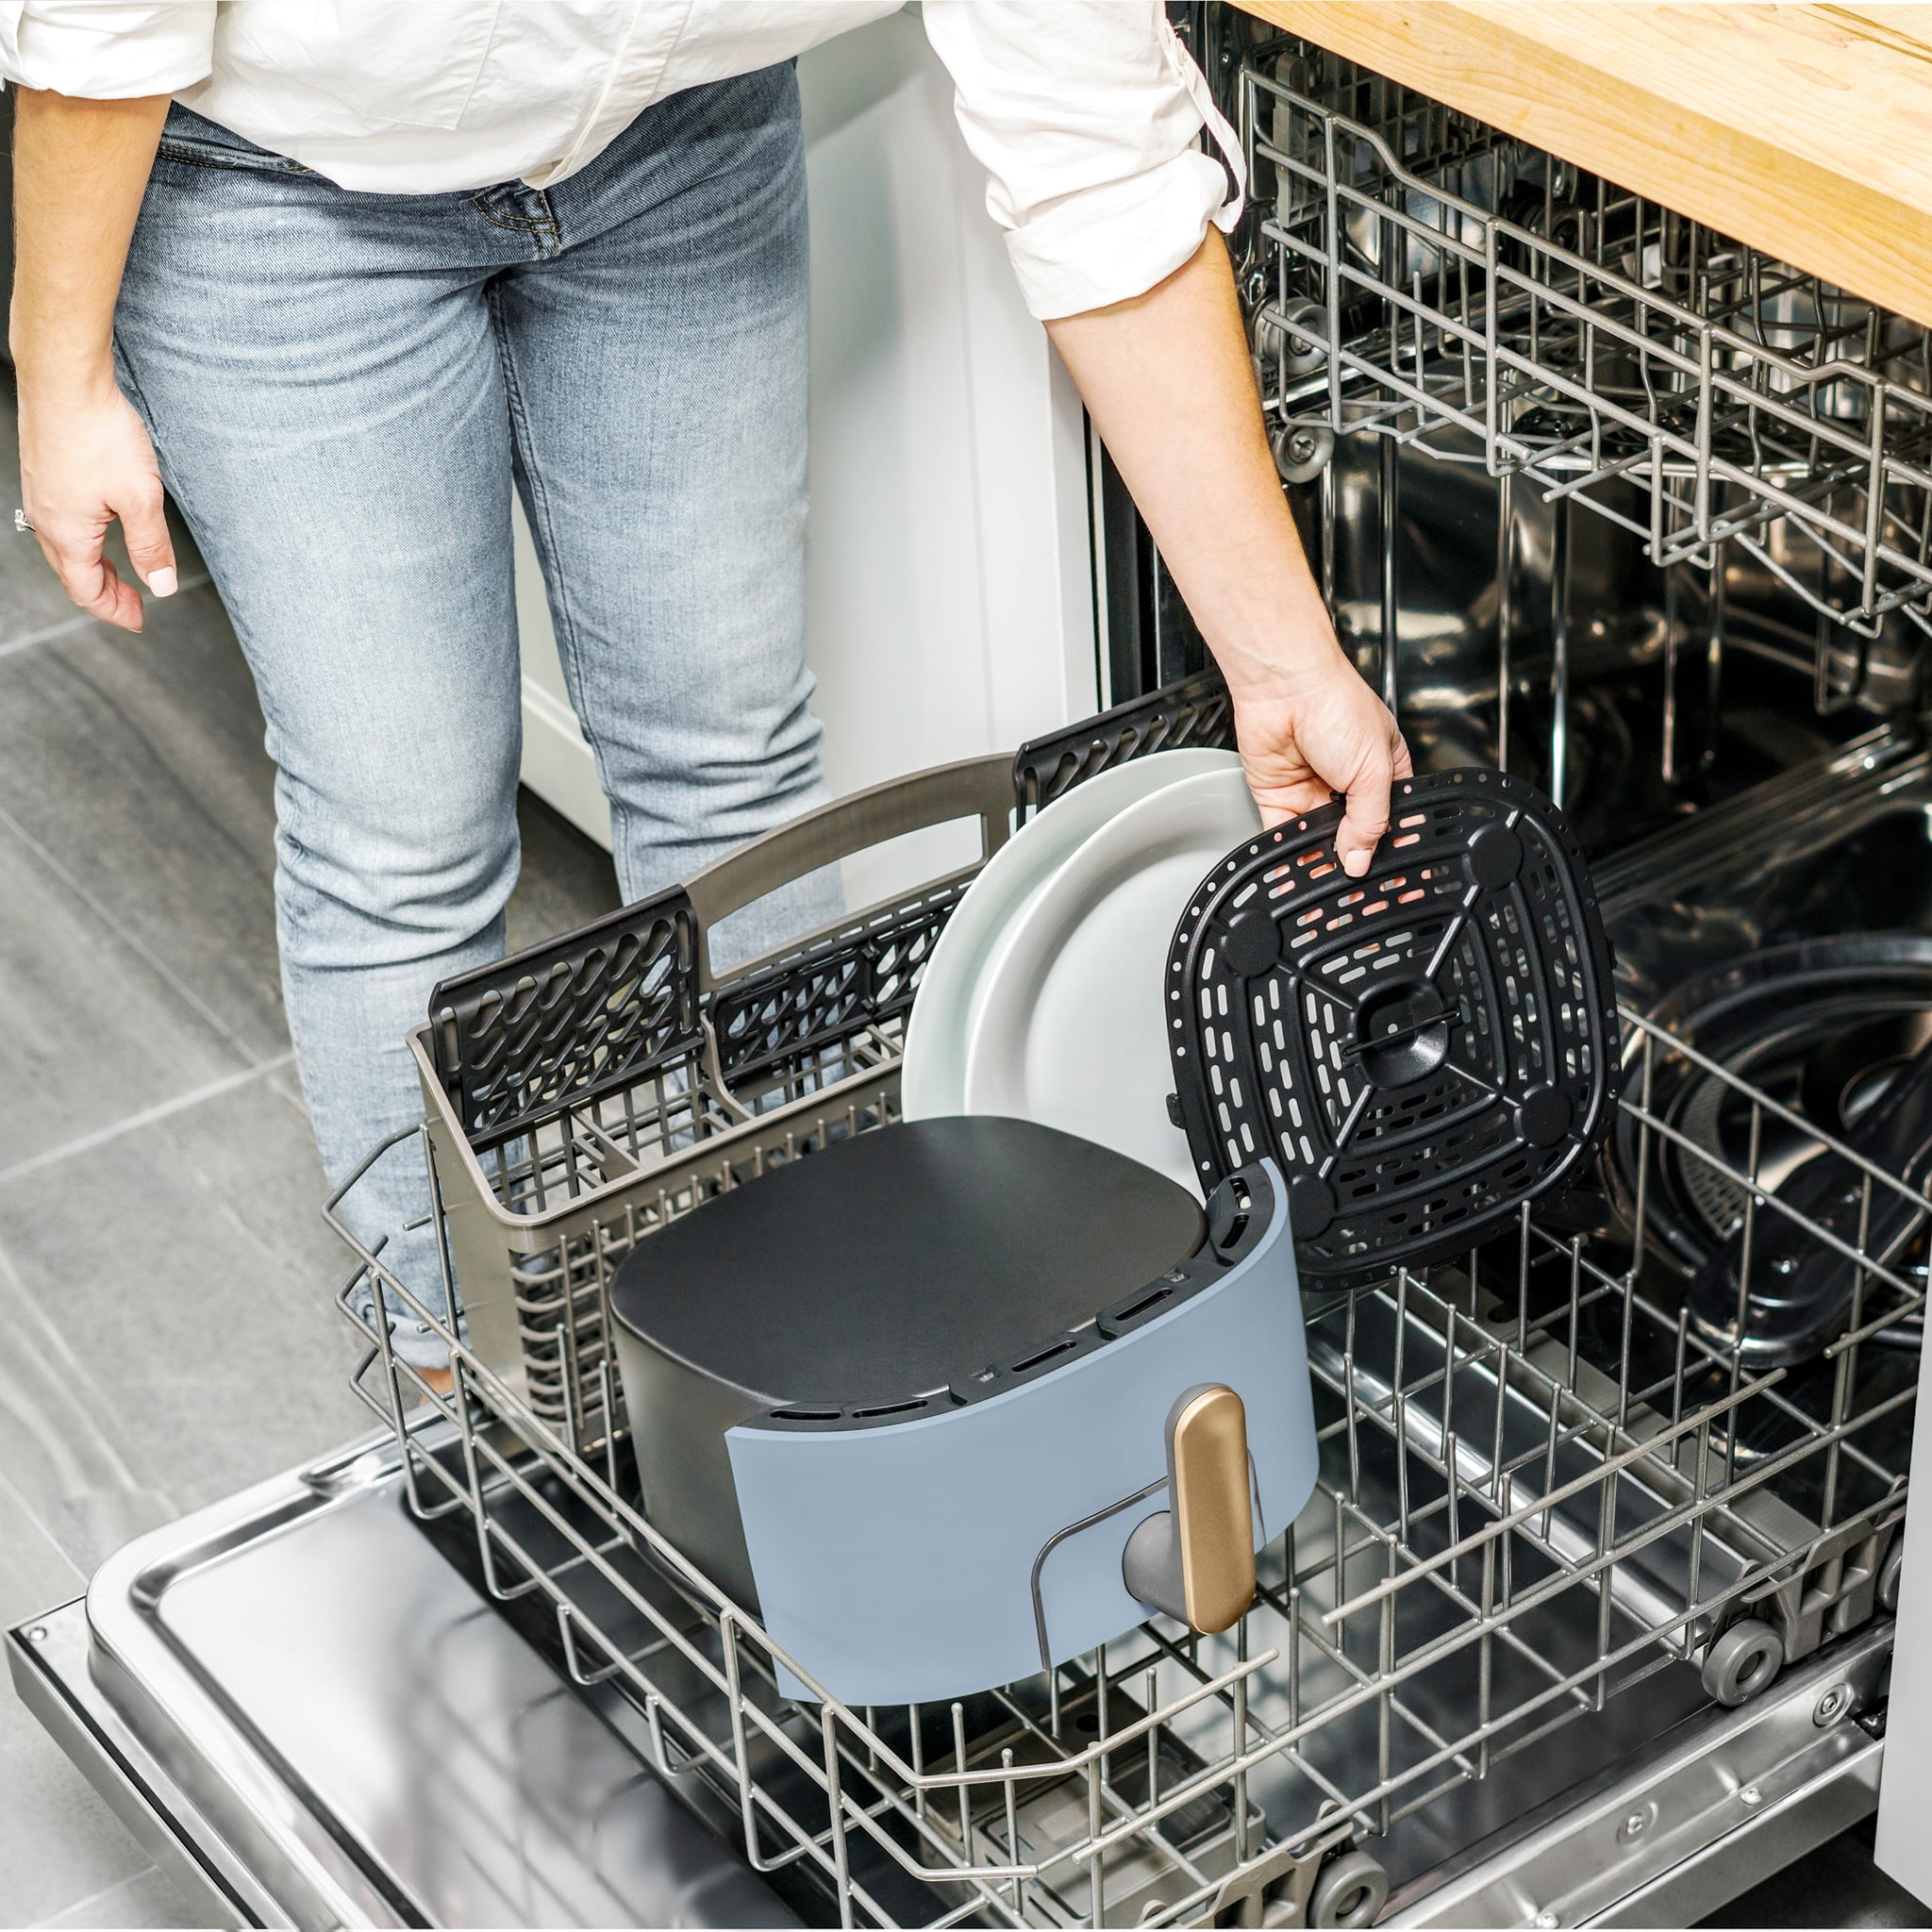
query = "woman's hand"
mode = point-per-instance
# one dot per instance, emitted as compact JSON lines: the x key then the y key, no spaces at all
{"x":85,"y":460}
{"x":80,"y":170}
{"x":1168,"y":381}
{"x":1317,"y":731}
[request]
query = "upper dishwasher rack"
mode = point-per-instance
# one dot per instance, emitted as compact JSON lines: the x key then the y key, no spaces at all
{"x":1413,"y":273}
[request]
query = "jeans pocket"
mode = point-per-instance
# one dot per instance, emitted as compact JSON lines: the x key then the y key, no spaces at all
{"x":208,"y":154}
{"x":190,"y":137}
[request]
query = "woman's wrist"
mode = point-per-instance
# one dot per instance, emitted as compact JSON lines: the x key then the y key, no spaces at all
{"x":1289,"y":648}
{"x":62,"y":375}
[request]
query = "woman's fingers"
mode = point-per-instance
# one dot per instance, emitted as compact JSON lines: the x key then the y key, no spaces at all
{"x":1280,"y":799}
{"x":1366,"y":820}
{"x":89,"y":580}
{"x":150,"y":549}
{"x":84,"y":463}
{"x":1331,"y":734}
{"x":1367,"y":816}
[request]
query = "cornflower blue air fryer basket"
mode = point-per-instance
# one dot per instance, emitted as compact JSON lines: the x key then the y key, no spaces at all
{"x":1421,"y":1050}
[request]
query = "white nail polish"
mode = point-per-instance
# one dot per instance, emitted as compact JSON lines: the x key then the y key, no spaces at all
{"x":163,"y":582}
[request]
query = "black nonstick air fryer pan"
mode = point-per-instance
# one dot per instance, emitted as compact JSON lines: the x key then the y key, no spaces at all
{"x":859,"y":1284}
{"x":1421,"y":1050}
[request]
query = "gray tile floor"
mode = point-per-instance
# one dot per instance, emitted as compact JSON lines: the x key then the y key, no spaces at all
{"x":165,"y":1282}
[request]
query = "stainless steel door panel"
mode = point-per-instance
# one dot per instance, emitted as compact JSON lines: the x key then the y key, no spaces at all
{"x":48,"y":1659}
{"x":368,"y":1742}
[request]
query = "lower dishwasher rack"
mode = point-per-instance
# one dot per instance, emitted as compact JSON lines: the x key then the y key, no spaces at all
{"x":1541,"y":1488}
{"x":459,"y":1780}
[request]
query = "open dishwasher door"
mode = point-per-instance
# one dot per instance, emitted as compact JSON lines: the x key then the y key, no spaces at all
{"x":309,"y":1718}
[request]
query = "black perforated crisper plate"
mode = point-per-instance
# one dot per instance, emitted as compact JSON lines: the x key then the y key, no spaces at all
{"x":1423,"y":1049}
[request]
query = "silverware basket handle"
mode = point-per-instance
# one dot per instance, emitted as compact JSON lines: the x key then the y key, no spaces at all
{"x":975,"y":788}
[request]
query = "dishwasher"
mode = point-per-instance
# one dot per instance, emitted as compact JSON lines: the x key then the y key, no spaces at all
{"x":1591,"y":1617}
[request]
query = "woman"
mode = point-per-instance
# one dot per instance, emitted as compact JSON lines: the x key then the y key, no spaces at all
{"x":342,"y":273}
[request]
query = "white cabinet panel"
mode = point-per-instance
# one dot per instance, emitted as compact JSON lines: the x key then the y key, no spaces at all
{"x":1905,"y":1791}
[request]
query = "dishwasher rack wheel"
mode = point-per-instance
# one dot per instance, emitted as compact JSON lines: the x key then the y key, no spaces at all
{"x":1742,"y":1660}
{"x":1889,"y":1573}
{"x":1351,"y":1889}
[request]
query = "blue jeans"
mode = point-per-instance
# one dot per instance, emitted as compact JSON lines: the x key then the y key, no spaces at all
{"x":342,"y":388}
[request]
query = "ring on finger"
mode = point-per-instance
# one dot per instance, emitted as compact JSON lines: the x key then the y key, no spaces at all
{"x":21,"y":523}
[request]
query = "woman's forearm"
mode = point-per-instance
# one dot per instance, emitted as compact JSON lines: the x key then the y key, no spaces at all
{"x":80,"y":168}
{"x":79,"y":171}
{"x":1166,"y":379}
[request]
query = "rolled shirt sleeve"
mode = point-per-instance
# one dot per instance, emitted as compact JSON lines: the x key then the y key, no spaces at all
{"x":106,"y":50}
{"x":1086,"y":116}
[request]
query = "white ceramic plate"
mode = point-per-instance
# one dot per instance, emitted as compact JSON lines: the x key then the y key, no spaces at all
{"x":932,"y":1079}
{"x":1071,"y":1030}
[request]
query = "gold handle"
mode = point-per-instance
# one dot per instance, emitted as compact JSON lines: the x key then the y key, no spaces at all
{"x":1207,"y":1463}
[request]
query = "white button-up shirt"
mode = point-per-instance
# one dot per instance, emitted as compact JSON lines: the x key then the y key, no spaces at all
{"x":1085,"y":114}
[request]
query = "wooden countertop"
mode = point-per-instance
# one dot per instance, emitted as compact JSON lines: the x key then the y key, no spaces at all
{"x":1805,"y":132}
